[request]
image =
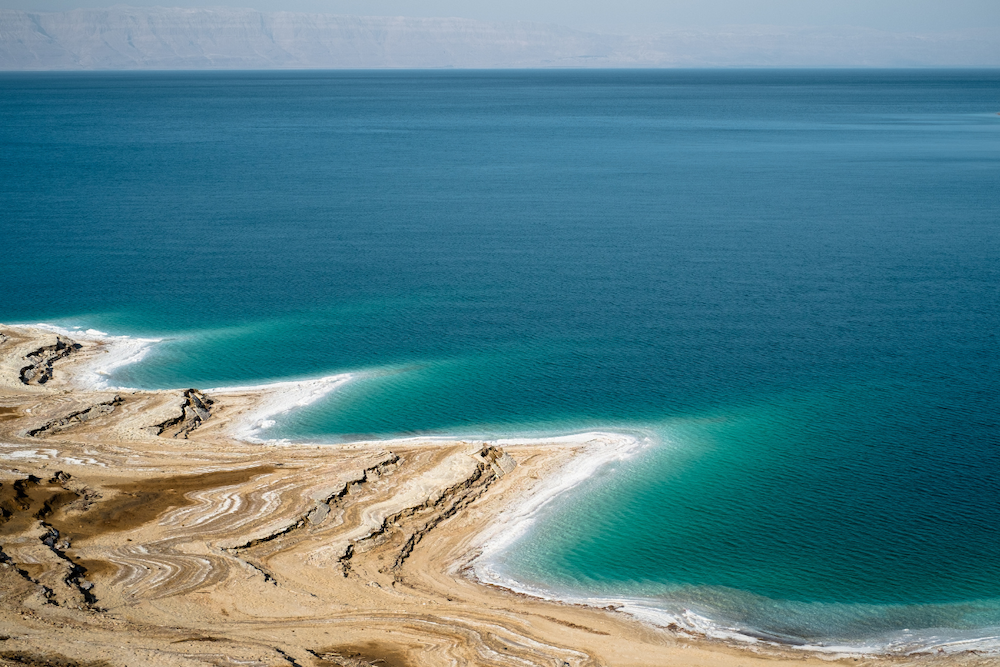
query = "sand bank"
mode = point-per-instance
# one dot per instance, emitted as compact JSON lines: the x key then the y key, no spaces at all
{"x":138,"y":529}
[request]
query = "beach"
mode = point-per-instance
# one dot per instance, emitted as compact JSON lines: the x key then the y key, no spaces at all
{"x":151,"y":528}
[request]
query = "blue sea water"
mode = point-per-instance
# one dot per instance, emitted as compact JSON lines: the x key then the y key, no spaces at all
{"x":789,"y":281}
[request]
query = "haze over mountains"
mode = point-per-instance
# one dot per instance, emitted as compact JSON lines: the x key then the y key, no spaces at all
{"x":177,"y":38}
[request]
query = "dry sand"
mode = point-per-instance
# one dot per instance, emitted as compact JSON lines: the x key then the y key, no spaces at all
{"x":137,"y":530}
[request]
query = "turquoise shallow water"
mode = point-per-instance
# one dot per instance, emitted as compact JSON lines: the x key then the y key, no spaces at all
{"x":788,"y":281}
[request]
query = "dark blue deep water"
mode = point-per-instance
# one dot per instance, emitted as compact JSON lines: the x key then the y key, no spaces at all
{"x":788,"y":281}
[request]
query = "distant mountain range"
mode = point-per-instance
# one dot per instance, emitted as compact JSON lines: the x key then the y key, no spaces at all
{"x":175,"y":38}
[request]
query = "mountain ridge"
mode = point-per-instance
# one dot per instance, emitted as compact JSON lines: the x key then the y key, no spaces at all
{"x":125,"y":38}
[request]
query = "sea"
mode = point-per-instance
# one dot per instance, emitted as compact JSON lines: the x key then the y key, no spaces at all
{"x":780,"y":289}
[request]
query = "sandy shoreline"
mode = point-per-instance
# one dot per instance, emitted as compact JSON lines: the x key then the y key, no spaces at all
{"x":143,"y":528}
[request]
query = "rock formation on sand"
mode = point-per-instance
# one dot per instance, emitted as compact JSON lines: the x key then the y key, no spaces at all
{"x":40,"y":361}
{"x":195,"y":409}
{"x":130,"y":535}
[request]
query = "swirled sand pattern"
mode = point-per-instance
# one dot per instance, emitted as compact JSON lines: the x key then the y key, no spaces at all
{"x":120,"y":545}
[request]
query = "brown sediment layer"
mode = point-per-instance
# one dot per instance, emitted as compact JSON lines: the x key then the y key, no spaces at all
{"x":37,"y":553}
{"x":119,"y":546}
{"x":30,"y":499}
{"x":135,"y":504}
{"x":96,"y":568}
{"x":365,"y":655}
{"x":44,"y":660}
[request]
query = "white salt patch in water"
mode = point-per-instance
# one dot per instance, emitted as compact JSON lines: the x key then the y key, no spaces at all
{"x":119,"y":351}
{"x":599,"y":449}
{"x":278,"y":398}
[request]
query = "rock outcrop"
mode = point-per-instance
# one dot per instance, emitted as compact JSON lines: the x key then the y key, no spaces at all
{"x":39,"y":368}
{"x":78,"y":417}
{"x":194,"y":411}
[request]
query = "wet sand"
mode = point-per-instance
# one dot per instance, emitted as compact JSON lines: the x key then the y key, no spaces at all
{"x":136,"y":530}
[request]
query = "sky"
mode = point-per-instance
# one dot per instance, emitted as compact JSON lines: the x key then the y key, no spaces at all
{"x":626,"y":15}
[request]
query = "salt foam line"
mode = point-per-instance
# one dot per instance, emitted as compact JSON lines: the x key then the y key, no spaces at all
{"x":278,"y":398}
{"x":599,"y":449}
{"x":119,"y":351}
{"x":602,"y":449}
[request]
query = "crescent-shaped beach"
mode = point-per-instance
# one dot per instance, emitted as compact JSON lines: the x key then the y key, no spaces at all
{"x":144,"y":528}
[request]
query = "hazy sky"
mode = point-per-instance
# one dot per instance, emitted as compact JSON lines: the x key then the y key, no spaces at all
{"x":631,"y":15}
